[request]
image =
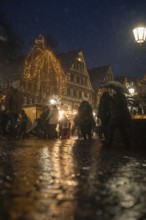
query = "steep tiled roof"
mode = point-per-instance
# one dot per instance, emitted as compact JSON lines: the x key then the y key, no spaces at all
{"x":97,"y":75}
{"x":67,"y":59}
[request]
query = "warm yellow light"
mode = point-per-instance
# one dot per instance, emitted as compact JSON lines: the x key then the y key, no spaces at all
{"x":42,"y":84}
{"x":61,"y":114}
{"x":75,"y":112}
{"x":139,"y":34}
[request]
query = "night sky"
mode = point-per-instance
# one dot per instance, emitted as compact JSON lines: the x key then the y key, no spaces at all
{"x":102,"y":29}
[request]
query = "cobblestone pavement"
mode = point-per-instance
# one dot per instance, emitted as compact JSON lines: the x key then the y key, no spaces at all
{"x":71,"y":180}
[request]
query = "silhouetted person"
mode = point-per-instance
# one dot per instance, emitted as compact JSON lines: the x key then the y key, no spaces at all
{"x":21,"y":124}
{"x":44,"y":126}
{"x":119,"y":118}
{"x":53,"y":119}
{"x":87,"y":122}
{"x":104,"y":111}
{"x":64,"y":128}
{"x":78,"y":126}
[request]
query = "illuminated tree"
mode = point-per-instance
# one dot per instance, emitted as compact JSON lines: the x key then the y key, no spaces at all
{"x":43,"y":75}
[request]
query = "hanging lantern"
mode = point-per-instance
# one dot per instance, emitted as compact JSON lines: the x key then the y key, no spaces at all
{"x":140,"y":34}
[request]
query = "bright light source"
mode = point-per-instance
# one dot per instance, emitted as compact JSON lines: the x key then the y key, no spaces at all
{"x":131,"y":91}
{"x":61,"y":114}
{"x":75,"y":112}
{"x":139,"y":34}
{"x":53,"y":101}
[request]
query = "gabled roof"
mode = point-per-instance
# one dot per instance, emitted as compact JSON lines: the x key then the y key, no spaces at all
{"x":98,"y":75}
{"x":67,"y":59}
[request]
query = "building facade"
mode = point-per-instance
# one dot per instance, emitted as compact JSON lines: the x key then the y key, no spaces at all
{"x":78,"y":84}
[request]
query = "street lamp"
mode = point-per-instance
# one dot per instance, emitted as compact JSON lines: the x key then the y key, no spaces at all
{"x":140,"y":34}
{"x":131,"y":91}
{"x":53,"y":101}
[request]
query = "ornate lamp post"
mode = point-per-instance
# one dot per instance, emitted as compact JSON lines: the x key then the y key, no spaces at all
{"x":140,"y":38}
{"x":140,"y":35}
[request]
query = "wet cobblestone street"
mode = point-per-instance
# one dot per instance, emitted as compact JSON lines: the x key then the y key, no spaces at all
{"x":71,"y":180}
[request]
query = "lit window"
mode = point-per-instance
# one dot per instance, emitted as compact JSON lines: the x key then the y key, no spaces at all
{"x":24,"y":100}
{"x":83,"y":81}
{"x":77,"y":93}
{"x":83,"y":94}
{"x":65,"y":92}
{"x":75,"y":79}
{"x":71,"y":92}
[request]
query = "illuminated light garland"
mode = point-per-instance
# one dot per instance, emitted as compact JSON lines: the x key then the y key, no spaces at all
{"x":43,"y":75}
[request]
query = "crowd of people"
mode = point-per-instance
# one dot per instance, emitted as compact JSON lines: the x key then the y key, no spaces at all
{"x":13,"y":125}
{"x":48,"y":125}
{"x":112,"y":114}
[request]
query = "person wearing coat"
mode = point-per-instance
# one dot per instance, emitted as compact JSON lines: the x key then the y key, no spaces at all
{"x":78,"y":126}
{"x":119,"y":118}
{"x":44,"y":127}
{"x":64,"y":128}
{"x":53,"y":119}
{"x":21,"y":124}
{"x":86,"y":119}
{"x":103,"y":112}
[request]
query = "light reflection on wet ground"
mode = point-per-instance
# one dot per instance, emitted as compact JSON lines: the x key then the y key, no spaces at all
{"x":67,"y":180}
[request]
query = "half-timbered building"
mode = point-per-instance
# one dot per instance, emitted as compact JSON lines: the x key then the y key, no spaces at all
{"x":78,"y":85}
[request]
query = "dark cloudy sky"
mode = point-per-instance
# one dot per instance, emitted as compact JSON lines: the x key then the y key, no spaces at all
{"x":102,"y":29}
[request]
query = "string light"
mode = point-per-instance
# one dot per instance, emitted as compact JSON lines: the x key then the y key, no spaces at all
{"x":43,"y":75}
